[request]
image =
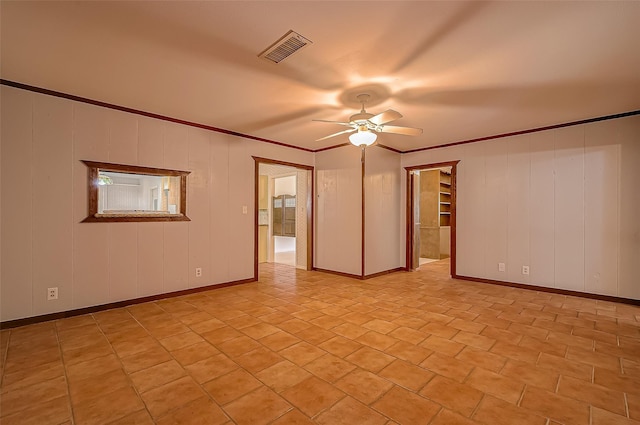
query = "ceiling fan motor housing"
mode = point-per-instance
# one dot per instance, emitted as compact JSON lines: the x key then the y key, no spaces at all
{"x":360,"y":117}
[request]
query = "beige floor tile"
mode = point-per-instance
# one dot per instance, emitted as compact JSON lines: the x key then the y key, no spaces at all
{"x":439,"y":329}
{"x":171,"y":396}
{"x":95,"y":350}
{"x":52,"y":412}
{"x":211,"y":367}
{"x":258,"y":407}
{"x":409,"y":352}
{"x":327,"y":322}
{"x":293,"y":417}
{"x":258,"y":359}
{"x":93,"y":368}
{"x":141,"y":417}
{"x":113,"y":405}
{"x":565,"y":367}
{"x":157,"y":375}
{"x":590,"y":357}
{"x":315,"y":335}
{"x":474,"y":340}
{"x":531,"y":375}
{"x":381,"y":326}
{"x":340,"y":346}
{"x":633,"y":404}
{"x":556,"y":407}
{"x":260,"y":330}
{"x":145,"y":359}
{"x":616,"y":381}
{"x":604,"y":417}
{"x":282,"y":375}
{"x":231,"y":386}
{"x":133,"y":346}
{"x":301,"y":353}
{"x":493,"y":411}
{"x":370,"y":359}
{"x":312,"y":395}
{"x":458,"y":397}
{"x":363,"y":385}
{"x":349,"y":411}
{"x":497,"y":385}
{"x":194,"y":353}
{"x":238,"y":346}
{"x":448,"y":417}
{"x":181,"y":340}
{"x":447,"y":366}
{"x":89,"y":389}
{"x":220,"y":335}
{"x":350,"y":330}
{"x":376,"y":340}
{"x":18,"y":359}
{"x":409,"y":335}
{"x":329,"y":367}
{"x":501,"y":355}
{"x":442,"y":345}
{"x":26,"y":377}
{"x":208,"y":325}
{"x":22,"y":398}
{"x":515,"y":352}
{"x":481,"y":358}
{"x":593,"y":394}
{"x":406,"y":375}
{"x":279,"y":340}
{"x":406,"y":407}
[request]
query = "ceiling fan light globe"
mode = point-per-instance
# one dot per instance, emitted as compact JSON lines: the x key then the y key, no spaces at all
{"x":363,"y":138}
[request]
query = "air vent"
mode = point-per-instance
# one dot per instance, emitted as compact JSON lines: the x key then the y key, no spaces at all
{"x":287,"y":45}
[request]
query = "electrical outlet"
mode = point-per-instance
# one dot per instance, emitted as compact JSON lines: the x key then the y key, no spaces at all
{"x":198,"y":272}
{"x":244,"y":209}
{"x":52,"y":293}
{"x":501,"y":267}
{"x":525,"y":269}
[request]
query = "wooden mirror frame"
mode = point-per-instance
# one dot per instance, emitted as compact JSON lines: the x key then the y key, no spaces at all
{"x":92,"y":173}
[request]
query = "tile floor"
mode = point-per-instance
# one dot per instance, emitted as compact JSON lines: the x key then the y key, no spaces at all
{"x":306,"y":347}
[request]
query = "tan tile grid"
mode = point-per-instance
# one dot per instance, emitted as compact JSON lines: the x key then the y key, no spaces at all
{"x":307,"y":347}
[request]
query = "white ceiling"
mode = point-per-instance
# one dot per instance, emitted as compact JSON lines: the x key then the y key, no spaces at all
{"x":459,"y":70}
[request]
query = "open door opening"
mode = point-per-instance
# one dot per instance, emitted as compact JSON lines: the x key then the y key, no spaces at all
{"x":431,"y":220}
{"x":284,"y":213}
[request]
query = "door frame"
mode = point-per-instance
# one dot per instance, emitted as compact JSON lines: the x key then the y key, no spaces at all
{"x":411,"y":205}
{"x":310,"y":205}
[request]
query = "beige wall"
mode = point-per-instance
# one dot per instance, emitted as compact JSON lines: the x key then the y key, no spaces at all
{"x":382,"y":177}
{"x":44,"y":198}
{"x":565,"y":202}
{"x":339,"y":210}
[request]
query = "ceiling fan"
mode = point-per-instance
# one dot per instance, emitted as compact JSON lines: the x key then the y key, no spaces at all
{"x":365,"y":126}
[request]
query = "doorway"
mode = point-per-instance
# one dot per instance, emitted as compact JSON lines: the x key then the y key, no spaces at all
{"x":284,"y":200}
{"x":431,"y":214}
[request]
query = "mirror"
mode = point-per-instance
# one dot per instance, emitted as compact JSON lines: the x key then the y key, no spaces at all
{"x":130,"y":193}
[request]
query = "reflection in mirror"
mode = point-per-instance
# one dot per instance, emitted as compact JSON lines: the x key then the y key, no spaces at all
{"x":122,"y":193}
{"x":129,"y":193}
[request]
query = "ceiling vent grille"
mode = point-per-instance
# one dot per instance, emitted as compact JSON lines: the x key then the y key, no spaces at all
{"x":287,"y":45}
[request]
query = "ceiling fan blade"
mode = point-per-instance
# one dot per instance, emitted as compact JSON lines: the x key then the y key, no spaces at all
{"x":407,"y":131}
{"x":336,"y":134}
{"x":386,"y":116}
{"x":336,"y":122}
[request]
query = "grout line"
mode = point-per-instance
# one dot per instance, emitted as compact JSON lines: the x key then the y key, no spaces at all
{"x":4,"y":356}
{"x":626,"y":405}
{"x":524,"y":389}
{"x":475,"y":409}
{"x":64,"y":368}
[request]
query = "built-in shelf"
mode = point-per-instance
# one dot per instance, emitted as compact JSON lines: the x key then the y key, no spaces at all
{"x":445,"y":199}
